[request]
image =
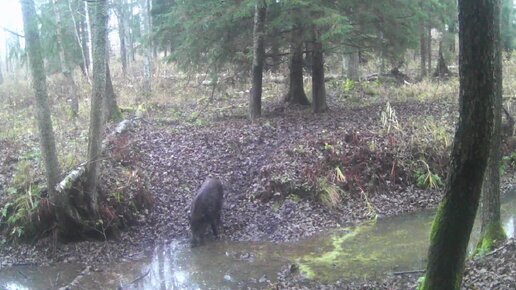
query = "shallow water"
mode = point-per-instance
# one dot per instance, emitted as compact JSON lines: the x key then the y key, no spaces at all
{"x":363,"y":252}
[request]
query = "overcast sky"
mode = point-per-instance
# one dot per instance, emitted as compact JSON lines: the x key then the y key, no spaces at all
{"x":10,"y":18}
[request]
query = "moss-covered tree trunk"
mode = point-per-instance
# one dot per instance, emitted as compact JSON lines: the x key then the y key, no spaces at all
{"x":319,"y":104}
{"x":39,"y":85}
{"x":98,"y":91}
{"x":255,"y":96}
{"x":296,"y":91}
{"x":479,"y":85}
{"x":491,"y":224}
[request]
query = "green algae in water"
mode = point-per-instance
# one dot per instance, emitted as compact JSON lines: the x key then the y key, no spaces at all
{"x":369,"y":250}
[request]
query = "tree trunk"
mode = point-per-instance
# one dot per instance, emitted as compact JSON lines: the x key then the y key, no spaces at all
{"x":429,"y":49}
{"x":89,"y":8}
{"x":308,"y":63}
{"x":39,"y":85}
{"x":255,"y":98}
{"x":491,"y":224}
{"x":64,"y":59}
{"x":353,"y":65}
{"x":507,"y":26}
{"x":98,"y":91}
{"x":296,"y":91}
{"x":84,"y":35}
{"x":382,"y":53}
{"x":147,"y":54}
{"x":111,"y":110}
{"x":423,"y":54}
{"x":79,"y":26}
{"x":441,"y":70}
{"x":1,"y":75}
{"x":275,"y":52}
{"x":318,"y":87}
{"x":480,"y":81}
{"x":121,"y":35}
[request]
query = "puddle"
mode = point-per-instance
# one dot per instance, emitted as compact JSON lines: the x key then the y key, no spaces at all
{"x":366,"y":251}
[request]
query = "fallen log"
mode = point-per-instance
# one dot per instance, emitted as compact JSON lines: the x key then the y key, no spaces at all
{"x":79,"y":171}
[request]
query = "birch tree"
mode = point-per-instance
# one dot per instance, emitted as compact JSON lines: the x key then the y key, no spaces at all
{"x":39,"y":85}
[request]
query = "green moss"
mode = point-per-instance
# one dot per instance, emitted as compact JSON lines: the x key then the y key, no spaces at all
{"x":437,"y":220}
{"x":116,"y":115}
{"x":493,"y":232}
{"x":337,"y":256}
{"x":421,"y":283}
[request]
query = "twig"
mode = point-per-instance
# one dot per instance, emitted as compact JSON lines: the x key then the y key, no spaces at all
{"x":408,"y":272}
{"x":21,"y":273}
{"x":140,"y":277}
{"x":76,"y":280}
{"x":135,"y":280}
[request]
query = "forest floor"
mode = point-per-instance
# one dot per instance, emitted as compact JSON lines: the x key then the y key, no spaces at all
{"x":286,"y":176}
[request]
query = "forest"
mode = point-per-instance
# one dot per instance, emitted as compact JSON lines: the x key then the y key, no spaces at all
{"x":257,"y":144}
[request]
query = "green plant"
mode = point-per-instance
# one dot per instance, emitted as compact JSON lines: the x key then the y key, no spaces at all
{"x":389,"y":119}
{"x":328,"y":192}
{"x":23,"y":175}
{"x":426,"y":179}
{"x":328,"y":147}
{"x":507,"y":161}
{"x":19,"y":212}
{"x":117,"y":196}
{"x":372,"y":145}
{"x":339,"y":176}
{"x":348,"y":85}
{"x":370,"y":209}
{"x":438,"y":133}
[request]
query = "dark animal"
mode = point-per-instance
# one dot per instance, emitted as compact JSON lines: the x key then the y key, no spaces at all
{"x":206,"y":209}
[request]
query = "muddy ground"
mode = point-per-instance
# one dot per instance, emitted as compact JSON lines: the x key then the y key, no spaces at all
{"x":263,"y":166}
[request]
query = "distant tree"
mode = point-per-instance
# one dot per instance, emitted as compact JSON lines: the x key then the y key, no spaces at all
{"x":319,"y":104}
{"x":64,"y":59}
{"x":1,"y":75}
{"x":491,"y":230}
{"x":480,"y":81}
{"x":89,"y":9}
{"x":98,"y":92}
{"x":147,"y":47}
{"x":255,"y":98}
{"x":121,"y":12}
{"x":353,"y":65}
{"x":441,"y":70}
{"x":39,"y":85}
{"x":77,"y":15}
{"x":423,"y":52}
{"x":111,"y":111}
{"x":296,"y":91}
{"x":508,"y":24}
